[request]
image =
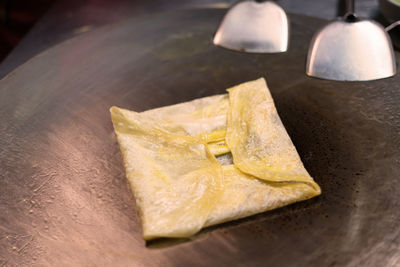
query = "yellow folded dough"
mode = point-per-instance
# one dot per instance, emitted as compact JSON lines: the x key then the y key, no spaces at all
{"x":178,"y":183}
{"x":258,"y":140}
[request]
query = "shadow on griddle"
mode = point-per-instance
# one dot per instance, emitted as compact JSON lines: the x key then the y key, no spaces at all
{"x":165,"y":242}
{"x":284,"y":213}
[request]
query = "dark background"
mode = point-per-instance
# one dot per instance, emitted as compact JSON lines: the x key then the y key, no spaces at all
{"x":28,"y":27}
{"x":16,"y":18}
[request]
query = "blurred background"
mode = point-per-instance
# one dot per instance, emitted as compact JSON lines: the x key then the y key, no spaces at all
{"x":16,"y":18}
{"x":27,"y":27}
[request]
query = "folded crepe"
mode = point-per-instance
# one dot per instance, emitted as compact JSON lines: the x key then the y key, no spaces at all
{"x":210,"y":160}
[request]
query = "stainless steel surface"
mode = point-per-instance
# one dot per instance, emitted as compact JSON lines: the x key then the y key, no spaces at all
{"x":351,"y":51}
{"x":256,"y":27}
{"x":64,"y":199}
{"x":392,"y":26}
{"x":349,"y":7}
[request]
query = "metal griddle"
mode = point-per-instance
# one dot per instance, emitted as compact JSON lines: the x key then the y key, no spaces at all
{"x":64,"y":198}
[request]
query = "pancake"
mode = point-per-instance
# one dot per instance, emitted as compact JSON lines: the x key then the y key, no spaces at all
{"x":170,"y":156}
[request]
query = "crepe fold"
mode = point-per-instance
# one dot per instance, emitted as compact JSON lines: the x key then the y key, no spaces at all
{"x":170,"y":157}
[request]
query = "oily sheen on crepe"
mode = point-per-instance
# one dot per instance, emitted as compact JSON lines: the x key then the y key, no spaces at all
{"x":210,"y":160}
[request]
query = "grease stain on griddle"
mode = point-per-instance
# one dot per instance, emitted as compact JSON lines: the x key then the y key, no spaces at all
{"x":180,"y":46}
